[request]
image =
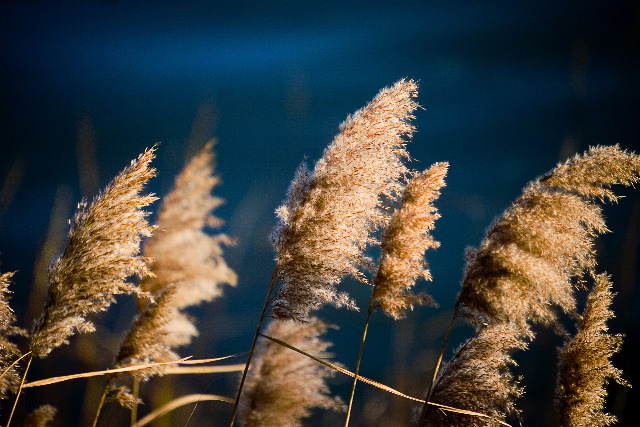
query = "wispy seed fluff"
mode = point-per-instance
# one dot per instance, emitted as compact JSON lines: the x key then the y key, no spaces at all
{"x":332,"y":211}
{"x":478,"y":379}
{"x":585,"y":363}
{"x":404,"y":243}
{"x":184,"y":253}
{"x":535,"y":251}
{"x":283,"y":386}
{"x":188,"y":267}
{"x":9,"y":352}
{"x":102,"y":252}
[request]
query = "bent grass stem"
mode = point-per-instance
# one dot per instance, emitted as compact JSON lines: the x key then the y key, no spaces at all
{"x":253,"y":346}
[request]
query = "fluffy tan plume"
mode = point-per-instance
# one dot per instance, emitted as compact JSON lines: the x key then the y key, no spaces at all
{"x":405,"y":241}
{"x":185,"y":254}
{"x":332,"y":211}
{"x":283,"y":386}
{"x":9,"y":352}
{"x":534,"y":253}
{"x":585,"y":368}
{"x":41,"y":417}
{"x":102,"y":252}
{"x":188,"y":268}
{"x":478,"y":379}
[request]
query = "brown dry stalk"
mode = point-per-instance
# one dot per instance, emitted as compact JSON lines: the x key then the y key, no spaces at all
{"x":380,"y":385}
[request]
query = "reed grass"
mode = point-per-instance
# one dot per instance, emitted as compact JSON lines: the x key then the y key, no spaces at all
{"x":360,"y":197}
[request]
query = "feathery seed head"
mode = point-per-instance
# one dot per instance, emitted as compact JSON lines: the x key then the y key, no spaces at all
{"x":9,"y":352}
{"x":283,"y":386}
{"x":534,"y":253}
{"x":102,"y":252}
{"x":404,"y":242}
{"x":478,"y":379}
{"x":584,"y":367}
{"x":332,"y":212}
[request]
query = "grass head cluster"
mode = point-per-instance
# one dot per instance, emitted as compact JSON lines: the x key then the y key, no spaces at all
{"x":360,"y":212}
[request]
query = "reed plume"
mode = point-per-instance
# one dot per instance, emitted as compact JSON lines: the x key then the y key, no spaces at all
{"x":188,"y":269}
{"x":284,"y":386}
{"x":102,"y":252}
{"x":584,"y":367}
{"x":331,"y":212}
{"x":405,"y":240}
{"x":184,"y":254}
{"x":41,"y":417}
{"x":478,"y":379}
{"x":543,"y":244}
{"x":9,"y":352}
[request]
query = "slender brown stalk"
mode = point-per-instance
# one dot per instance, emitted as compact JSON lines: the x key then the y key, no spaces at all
{"x":100,"y":405}
{"x":135,"y":390}
{"x":24,"y":377}
{"x":253,"y":346}
{"x":357,"y":369}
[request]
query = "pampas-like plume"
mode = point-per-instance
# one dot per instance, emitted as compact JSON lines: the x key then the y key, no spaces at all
{"x":102,"y":252}
{"x":9,"y":352}
{"x":188,"y":267}
{"x":159,"y":329}
{"x":478,"y":379}
{"x":404,"y":243}
{"x":184,"y":254}
{"x":524,"y":268}
{"x":584,"y":367}
{"x":41,"y":417}
{"x":330,"y":214}
{"x":283,"y":386}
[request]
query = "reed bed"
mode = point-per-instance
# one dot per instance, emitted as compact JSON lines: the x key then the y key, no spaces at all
{"x":361,"y":212}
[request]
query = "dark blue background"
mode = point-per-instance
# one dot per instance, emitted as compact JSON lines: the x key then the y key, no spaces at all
{"x":508,"y":89}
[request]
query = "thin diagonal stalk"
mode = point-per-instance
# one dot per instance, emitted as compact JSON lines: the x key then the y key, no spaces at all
{"x":423,"y":413}
{"x":382,"y":386}
{"x":355,"y":378}
{"x":24,"y":377}
{"x":135,"y":390}
{"x":253,"y":346}
{"x":100,"y":405}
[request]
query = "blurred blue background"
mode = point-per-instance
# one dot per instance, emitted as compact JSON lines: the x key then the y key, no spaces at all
{"x":508,"y":90}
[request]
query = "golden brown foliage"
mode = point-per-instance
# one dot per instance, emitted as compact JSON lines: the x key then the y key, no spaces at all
{"x":543,"y":243}
{"x":404,"y":243}
{"x":331,"y":212}
{"x":102,"y":252}
{"x":184,"y":254}
{"x":9,"y":352}
{"x":478,"y":379}
{"x":188,"y":269}
{"x":283,"y":386}
{"x":585,"y":363}
{"x":41,"y":417}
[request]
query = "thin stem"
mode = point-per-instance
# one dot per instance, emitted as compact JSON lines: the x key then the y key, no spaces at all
{"x":355,"y":378}
{"x":423,"y":413}
{"x":24,"y":377}
{"x":100,"y":405}
{"x":135,"y":390}
{"x":253,"y":346}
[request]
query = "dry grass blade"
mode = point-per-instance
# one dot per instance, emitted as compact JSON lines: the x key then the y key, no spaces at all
{"x":176,"y":403}
{"x":185,"y":361}
{"x":186,"y":370}
{"x":380,"y":385}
